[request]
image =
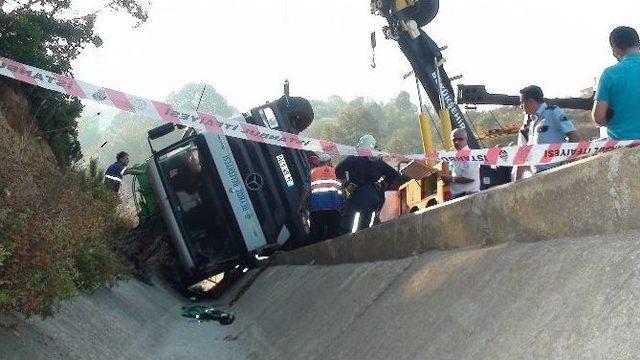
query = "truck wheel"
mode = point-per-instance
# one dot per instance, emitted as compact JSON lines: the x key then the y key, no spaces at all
{"x":424,"y":12}
{"x":298,"y":110}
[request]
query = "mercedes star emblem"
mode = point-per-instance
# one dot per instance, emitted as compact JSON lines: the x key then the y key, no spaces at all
{"x":254,"y":182}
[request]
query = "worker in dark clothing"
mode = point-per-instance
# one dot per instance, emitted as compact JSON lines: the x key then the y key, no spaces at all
{"x":323,"y":200}
{"x":366,"y":179}
{"x":114,"y":173}
{"x":135,"y":245}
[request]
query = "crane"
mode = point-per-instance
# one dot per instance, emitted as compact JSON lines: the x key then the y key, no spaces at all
{"x":405,"y":19}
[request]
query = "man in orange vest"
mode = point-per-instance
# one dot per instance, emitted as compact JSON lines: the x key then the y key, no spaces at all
{"x":324,"y":200}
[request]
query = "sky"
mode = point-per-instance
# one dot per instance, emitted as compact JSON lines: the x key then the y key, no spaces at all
{"x":246,"y":49}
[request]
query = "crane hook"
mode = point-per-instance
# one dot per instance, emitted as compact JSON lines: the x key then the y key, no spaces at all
{"x":373,"y":49}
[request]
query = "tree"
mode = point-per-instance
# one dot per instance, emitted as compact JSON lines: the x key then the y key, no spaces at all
{"x":43,"y":33}
{"x":405,"y":141}
{"x":354,"y":120}
{"x":327,"y":109}
{"x":394,"y":123}
{"x":189,"y":97}
{"x":400,"y":113}
{"x":403,"y":103}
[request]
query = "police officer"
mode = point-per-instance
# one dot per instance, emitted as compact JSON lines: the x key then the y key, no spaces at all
{"x":114,"y":173}
{"x":324,"y":200}
{"x":368,"y":177}
{"x":544,"y":124}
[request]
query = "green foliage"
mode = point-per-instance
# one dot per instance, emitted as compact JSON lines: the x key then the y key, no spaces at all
{"x":346,"y":124}
{"x":59,"y":232}
{"x":4,"y":251}
{"x":405,"y":141}
{"x":94,"y":176}
{"x":327,"y":109}
{"x":40,"y":33}
{"x":210,"y":101}
{"x":56,"y":254}
{"x":500,"y":117}
{"x":354,"y":120}
{"x":91,"y":182}
{"x":92,"y":260}
{"x":394,"y":124}
{"x":4,"y":254}
{"x":56,"y":118}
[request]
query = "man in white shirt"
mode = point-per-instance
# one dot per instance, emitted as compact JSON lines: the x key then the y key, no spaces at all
{"x":464,"y":177}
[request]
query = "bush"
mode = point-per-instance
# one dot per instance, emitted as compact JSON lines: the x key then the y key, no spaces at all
{"x":59,"y":232}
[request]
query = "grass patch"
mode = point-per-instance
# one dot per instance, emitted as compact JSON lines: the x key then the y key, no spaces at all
{"x":59,"y":231}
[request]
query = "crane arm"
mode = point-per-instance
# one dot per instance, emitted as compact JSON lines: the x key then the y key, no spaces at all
{"x":478,"y":95}
{"x":405,"y":19}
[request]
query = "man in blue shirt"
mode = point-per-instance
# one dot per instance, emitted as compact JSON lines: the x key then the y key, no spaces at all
{"x":544,"y":124}
{"x":114,"y":173}
{"x":618,"y":98}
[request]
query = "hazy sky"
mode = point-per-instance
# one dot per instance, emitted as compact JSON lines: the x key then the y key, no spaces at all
{"x":247,"y":48}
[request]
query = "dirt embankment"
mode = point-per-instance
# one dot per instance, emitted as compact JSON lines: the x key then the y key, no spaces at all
{"x":58,"y":227}
{"x":20,"y":144}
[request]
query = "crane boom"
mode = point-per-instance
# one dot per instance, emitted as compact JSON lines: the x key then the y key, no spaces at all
{"x":405,"y":19}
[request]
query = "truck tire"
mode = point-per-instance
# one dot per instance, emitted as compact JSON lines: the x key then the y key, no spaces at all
{"x":424,"y":12}
{"x":298,"y":110}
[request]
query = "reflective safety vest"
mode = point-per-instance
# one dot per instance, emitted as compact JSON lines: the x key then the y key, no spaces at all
{"x":326,"y":189}
{"x":113,"y":176}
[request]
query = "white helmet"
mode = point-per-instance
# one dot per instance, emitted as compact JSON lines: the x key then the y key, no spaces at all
{"x":367,"y":141}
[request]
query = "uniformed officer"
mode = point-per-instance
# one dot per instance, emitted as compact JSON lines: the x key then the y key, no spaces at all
{"x":544,"y":124}
{"x":369,"y":177}
{"x":114,"y":173}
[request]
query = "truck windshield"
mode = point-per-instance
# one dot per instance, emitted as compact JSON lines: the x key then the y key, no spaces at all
{"x":200,"y":203}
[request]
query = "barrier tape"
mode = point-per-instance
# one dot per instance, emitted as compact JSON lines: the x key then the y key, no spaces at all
{"x":237,"y":128}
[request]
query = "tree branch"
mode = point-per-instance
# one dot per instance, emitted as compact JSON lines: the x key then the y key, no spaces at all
{"x":28,"y":5}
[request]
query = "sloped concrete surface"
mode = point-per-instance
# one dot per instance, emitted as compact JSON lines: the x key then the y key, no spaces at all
{"x":562,"y":299}
{"x":559,"y":299}
{"x":132,"y":321}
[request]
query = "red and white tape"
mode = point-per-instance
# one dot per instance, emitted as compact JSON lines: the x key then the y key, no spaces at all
{"x":498,"y":156}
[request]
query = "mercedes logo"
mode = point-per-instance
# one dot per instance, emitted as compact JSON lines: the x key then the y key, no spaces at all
{"x":254,"y":182}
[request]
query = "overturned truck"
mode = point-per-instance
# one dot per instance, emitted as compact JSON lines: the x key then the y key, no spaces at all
{"x":224,"y":201}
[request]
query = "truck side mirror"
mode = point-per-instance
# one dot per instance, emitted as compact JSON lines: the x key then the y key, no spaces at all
{"x":160,"y":131}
